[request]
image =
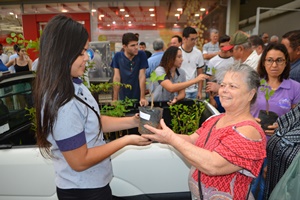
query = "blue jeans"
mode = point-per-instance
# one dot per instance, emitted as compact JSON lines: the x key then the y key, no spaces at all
{"x":191,"y":95}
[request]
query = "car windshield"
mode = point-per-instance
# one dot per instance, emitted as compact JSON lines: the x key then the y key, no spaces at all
{"x":15,"y":99}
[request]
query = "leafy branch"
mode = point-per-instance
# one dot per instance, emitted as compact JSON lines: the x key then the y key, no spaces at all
{"x":105,"y":87}
{"x":268,"y":92}
{"x":154,"y":78}
{"x":22,"y":42}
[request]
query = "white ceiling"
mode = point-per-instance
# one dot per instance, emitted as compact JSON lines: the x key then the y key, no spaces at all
{"x":138,"y":11}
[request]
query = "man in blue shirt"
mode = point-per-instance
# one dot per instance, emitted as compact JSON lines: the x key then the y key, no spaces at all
{"x":129,"y":68}
{"x":154,"y":60}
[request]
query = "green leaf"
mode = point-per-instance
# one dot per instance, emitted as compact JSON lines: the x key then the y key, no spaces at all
{"x":21,"y":36}
{"x":153,"y":77}
{"x":8,"y":40}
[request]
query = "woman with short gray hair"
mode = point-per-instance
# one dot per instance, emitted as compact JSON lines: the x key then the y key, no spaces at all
{"x":228,"y":150}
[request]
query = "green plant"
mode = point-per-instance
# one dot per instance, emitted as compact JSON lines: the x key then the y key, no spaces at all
{"x":32,"y":116}
{"x":22,"y":42}
{"x":186,"y":118}
{"x":90,"y":64}
{"x":154,"y":78}
{"x":105,"y":87}
{"x":268,"y":92}
{"x":118,"y":109}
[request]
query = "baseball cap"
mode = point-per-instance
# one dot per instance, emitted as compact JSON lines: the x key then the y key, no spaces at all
{"x":227,"y":48}
{"x":239,"y":37}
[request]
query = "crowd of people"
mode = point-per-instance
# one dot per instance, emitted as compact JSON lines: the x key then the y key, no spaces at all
{"x":231,"y":64}
{"x":241,"y":75}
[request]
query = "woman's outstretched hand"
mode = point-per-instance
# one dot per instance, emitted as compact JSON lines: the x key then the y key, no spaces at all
{"x":137,"y":140}
{"x":163,"y":135}
{"x":202,"y":77}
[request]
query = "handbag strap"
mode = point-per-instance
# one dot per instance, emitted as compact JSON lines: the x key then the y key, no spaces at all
{"x":199,"y":173}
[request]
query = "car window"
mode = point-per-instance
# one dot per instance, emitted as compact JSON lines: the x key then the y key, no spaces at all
{"x":15,"y":98}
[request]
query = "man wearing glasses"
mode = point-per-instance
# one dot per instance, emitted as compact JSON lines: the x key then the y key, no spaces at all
{"x":192,"y":62}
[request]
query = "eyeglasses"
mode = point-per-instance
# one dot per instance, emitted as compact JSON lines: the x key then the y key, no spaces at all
{"x":278,"y":61}
{"x":90,"y":53}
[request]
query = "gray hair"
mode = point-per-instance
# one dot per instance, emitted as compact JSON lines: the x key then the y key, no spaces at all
{"x":274,"y":37}
{"x":158,"y":44}
{"x":251,"y":76}
{"x":213,"y":30}
{"x":246,"y":45}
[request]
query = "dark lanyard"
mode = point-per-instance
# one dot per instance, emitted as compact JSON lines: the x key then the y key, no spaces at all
{"x":97,"y":114}
{"x":199,"y":173}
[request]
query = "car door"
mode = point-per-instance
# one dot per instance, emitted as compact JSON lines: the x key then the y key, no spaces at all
{"x":24,"y":173}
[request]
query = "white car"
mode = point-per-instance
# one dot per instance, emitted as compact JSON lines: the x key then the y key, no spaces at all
{"x":156,"y":171}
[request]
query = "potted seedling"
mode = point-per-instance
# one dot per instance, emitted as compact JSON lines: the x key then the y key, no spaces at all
{"x":267,"y":117}
{"x":149,"y":114}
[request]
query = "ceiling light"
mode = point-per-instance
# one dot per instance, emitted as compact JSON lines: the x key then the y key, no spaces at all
{"x":153,"y":24}
{"x":100,"y":17}
{"x":122,"y":10}
{"x":177,"y":15}
{"x":175,"y":24}
{"x":129,"y":22}
{"x":152,"y":15}
{"x":93,"y":10}
{"x":126,"y":15}
{"x":179,"y":9}
{"x":151,"y":9}
{"x":64,"y":10}
{"x":114,"y":22}
{"x":197,"y":15}
{"x":202,"y":9}
{"x":108,"y":24}
{"x":11,"y":13}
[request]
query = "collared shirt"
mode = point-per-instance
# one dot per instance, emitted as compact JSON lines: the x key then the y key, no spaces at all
{"x":252,"y":60}
{"x":286,"y":95}
{"x":76,"y":125}
{"x":159,"y":92}
{"x":153,"y":62}
{"x":210,"y":48}
{"x":295,"y":71}
{"x":129,"y":72}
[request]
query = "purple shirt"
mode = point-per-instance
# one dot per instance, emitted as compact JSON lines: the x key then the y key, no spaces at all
{"x":287,"y":94}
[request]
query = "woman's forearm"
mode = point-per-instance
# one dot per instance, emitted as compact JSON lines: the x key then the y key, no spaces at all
{"x":111,"y":124}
